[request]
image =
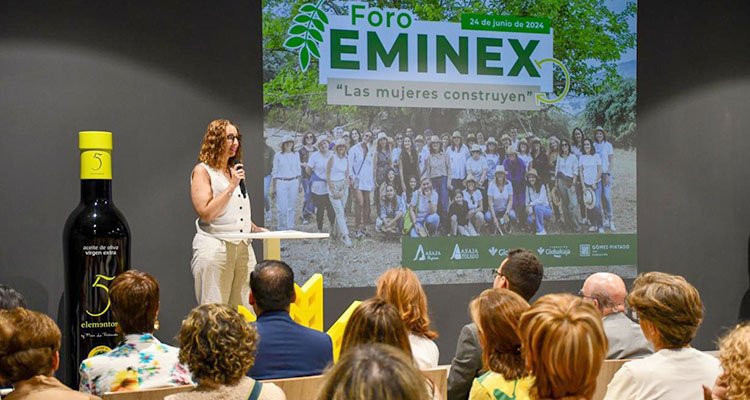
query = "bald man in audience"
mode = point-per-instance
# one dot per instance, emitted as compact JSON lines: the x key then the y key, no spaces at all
{"x":607,"y":291}
{"x":520,"y":272}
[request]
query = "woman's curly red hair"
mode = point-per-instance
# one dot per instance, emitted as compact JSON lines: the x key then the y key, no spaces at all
{"x":215,"y":143}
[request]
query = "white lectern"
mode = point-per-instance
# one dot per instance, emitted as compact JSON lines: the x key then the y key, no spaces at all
{"x":272,"y":240}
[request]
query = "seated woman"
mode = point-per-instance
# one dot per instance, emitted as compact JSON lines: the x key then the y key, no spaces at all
{"x":734,"y":356}
{"x":423,"y":210}
{"x":496,"y":313}
{"x":375,"y":321}
{"x":390,"y":221}
{"x":474,"y":198}
{"x":670,"y":311}
{"x":401,"y":288}
{"x":458,"y":212}
{"x":537,"y":204}
{"x":140,"y":361}
{"x":374,"y":372}
{"x":563,"y":343}
{"x":29,"y":357}
{"x":218,"y":346}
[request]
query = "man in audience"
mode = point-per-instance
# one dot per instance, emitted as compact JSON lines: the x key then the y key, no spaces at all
{"x":10,"y":298}
{"x":521,"y":272}
{"x":607,"y":292}
{"x":285,"y":348}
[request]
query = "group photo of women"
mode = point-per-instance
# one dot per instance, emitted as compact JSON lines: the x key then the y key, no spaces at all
{"x":370,"y":183}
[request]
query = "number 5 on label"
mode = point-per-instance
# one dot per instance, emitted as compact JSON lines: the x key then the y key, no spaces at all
{"x":106,"y":289}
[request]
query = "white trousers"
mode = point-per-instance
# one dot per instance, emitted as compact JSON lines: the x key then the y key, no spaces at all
{"x":222,"y":271}
{"x":339,"y":205}
{"x":286,"y":201}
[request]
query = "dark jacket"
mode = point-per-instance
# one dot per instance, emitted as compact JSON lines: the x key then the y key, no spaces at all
{"x":287,"y":349}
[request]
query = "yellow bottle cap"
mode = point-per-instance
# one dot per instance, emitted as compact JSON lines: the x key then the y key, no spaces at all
{"x":96,"y":154}
{"x":95,"y":140}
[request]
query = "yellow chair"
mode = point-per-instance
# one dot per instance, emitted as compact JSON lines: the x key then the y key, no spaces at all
{"x":147,"y":394}
{"x":336,"y":331}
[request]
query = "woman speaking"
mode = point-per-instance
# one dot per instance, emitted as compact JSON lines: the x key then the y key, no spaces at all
{"x":221,"y":266}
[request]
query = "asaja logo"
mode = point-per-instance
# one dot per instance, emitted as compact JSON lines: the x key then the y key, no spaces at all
{"x":430,"y":255}
{"x":465,"y":253}
{"x":554,"y":251}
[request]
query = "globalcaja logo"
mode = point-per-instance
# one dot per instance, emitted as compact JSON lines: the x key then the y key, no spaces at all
{"x":464,"y":253}
{"x":554,"y":251}
{"x":429,"y":255}
{"x":373,"y":56}
{"x":501,"y":252}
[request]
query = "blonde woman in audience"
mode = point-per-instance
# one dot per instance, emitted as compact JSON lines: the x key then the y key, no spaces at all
{"x":140,"y":361}
{"x":496,"y":313}
{"x":29,"y":357}
{"x":401,"y":287}
{"x":564,"y":346}
{"x":374,"y":372}
{"x":670,"y":311}
{"x":218,"y":346}
{"x":734,"y":356}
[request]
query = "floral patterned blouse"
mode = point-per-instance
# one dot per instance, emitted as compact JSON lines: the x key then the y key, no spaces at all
{"x":140,"y":361}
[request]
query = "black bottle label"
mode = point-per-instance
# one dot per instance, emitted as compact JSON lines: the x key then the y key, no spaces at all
{"x":102,"y":260}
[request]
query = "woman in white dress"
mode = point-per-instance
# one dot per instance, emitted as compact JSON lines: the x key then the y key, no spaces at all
{"x":286,"y":182}
{"x":361,"y":170}
{"x":221,"y":267}
{"x":337,"y":177}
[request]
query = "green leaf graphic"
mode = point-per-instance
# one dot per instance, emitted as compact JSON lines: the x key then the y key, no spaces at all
{"x":316,"y":35}
{"x":297,"y":29}
{"x":318,"y":25}
{"x":302,"y":18}
{"x":294,"y":42}
{"x":308,"y":8}
{"x":313,"y":48}
{"x":304,"y":58}
{"x":306,"y":32}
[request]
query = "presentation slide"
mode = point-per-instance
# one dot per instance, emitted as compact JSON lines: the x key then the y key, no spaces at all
{"x":441,"y":136}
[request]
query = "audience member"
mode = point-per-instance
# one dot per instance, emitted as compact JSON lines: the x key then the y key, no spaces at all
{"x":140,"y":361}
{"x":29,"y":357}
{"x":521,"y":272}
{"x":607,"y":292}
{"x":286,"y":349}
{"x":495,"y":313}
{"x":375,"y":321}
{"x":670,"y":311}
{"x":564,"y":346}
{"x":401,"y":288}
{"x":734,"y":356}
{"x":10,"y":298}
{"x":219,"y":347}
{"x":374,"y":372}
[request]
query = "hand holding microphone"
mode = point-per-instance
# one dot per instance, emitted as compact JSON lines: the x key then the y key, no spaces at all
{"x":238,"y":177}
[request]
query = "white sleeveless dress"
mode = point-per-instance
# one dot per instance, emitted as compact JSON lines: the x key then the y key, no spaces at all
{"x":221,"y":268}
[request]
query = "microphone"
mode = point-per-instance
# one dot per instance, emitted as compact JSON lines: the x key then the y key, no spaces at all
{"x":242,"y":182}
